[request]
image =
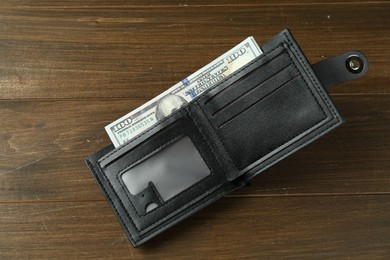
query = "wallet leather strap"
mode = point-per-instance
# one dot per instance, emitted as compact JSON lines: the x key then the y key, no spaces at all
{"x":348,"y":66}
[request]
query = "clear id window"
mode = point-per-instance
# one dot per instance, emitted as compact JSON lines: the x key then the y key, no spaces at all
{"x":172,"y":170}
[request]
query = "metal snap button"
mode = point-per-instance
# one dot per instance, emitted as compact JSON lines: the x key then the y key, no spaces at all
{"x":354,"y":64}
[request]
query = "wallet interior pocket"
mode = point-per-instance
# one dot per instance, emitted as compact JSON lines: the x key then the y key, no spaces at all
{"x":268,"y":108}
{"x":164,"y":173}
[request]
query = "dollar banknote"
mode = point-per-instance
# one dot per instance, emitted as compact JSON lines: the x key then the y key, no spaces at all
{"x":144,"y":117}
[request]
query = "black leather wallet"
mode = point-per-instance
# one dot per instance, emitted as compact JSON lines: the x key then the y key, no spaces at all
{"x":262,"y":113}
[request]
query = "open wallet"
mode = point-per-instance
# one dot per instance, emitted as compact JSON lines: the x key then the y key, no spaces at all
{"x":263,"y":112}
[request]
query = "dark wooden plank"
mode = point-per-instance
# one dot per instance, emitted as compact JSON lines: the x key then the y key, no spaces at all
{"x":43,"y":144}
{"x":341,"y":227}
{"x":139,"y":52}
{"x":160,"y":3}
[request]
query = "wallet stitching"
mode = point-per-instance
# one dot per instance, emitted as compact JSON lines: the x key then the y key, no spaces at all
{"x":311,"y":92}
{"x":171,"y":199}
{"x":123,"y":206}
{"x":191,"y":208}
{"x":111,"y":202}
{"x":308,"y":71}
{"x":181,"y":211}
{"x":115,"y":208}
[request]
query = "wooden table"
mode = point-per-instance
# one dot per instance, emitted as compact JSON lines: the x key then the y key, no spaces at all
{"x":68,"y":68}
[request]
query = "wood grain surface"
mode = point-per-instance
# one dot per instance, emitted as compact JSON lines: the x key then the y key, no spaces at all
{"x":68,"y":68}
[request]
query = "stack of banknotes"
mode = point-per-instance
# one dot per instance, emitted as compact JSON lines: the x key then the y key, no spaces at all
{"x":146,"y":116}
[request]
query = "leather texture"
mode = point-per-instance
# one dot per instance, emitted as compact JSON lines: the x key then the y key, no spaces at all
{"x":337,"y":70}
{"x":262,"y":113}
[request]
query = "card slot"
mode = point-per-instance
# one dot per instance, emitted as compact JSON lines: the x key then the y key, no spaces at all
{"x":268,"y":124}
{"x":251,"y":91}
{"x":285,"y":76}
{"x":247,"y":82}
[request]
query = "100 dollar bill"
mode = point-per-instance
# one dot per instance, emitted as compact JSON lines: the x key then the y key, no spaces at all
{"x":141,"y":119}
